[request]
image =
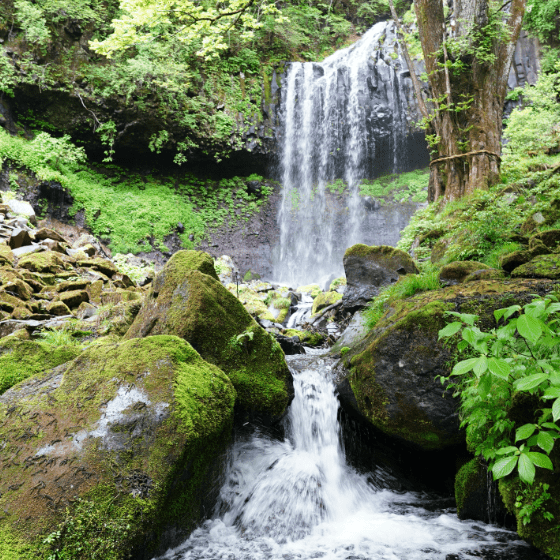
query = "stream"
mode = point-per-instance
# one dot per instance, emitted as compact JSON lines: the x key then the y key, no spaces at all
{"x":298,"y":498}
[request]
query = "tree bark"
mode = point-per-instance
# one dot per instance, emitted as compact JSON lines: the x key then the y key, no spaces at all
{"x":468,"y":100}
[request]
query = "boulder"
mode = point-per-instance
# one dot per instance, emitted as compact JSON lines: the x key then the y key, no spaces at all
{"x":484,"y":274}
{"x":195,"y":306}
{"x":368,"y":269}
{"x":19,"y":238}
{"x":456,"y":272}
{"x":513,"y":260}
{"x":27,"y":250}
{"x":22,"y":208}
{"x":6,"y":255}
{"x":550,"y":239}
{"x":543,"y":266}
{"x":97,"y":263}
{"x":58,"y":308}
{"x":324,"y":300}
{"x":47,"y":261}
{"x":73,"y":298}
{"x":124,"y":442}
{"x":19,"y":288}
{"x":392,"y":370}
{"x":46,"y":233}
{"x":20,"y":359}
{"x":290,"y":345}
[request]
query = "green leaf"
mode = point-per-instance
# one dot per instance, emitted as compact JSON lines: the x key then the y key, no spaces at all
{"x":526,"y":469}
{"x":506,"y":450}
{"x":499,"y":367}
{"x":450,"y":329}
{"x":530,"y":382}
{"x":545,"y":441}
{"x":464,"y":366}
{"x":504,"y":466}
{"x":540,"y":459}
{"x":481,"y":366}
{"x":529,"y":328}
{"x":551,"y":426}
{"x":484,"y":385}
{"x":525,"y":431}
{"x":508,"y":312}
{"x":552,"y":393}
{"x":556,"y":410}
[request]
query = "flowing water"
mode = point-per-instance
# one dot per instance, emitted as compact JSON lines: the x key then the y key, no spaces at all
{"x":346,"y":118}
{"x":298,"y":498}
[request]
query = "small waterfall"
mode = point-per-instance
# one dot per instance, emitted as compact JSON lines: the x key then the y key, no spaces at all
{"x":299,"y":499}
{"x":343,"y":120}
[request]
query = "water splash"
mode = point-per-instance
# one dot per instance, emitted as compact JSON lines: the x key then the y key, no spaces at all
{"x":346,"y":118}
{"x":299,"y":499}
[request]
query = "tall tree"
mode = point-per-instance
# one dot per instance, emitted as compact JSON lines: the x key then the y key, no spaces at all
{"x":468,"y":48}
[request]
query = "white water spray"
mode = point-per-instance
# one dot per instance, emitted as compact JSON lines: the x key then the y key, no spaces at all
{"x":299,"y":499}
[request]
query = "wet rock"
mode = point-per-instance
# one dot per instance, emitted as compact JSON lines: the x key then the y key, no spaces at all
{"x":102,"y":439}
{"x":255,"y":188}
{"x":27,"y":250}
{"x":188,"y":303}
{"x":290,"y":345}
{"x":102,"y":265}
{"x":325,"y":300}
{"x":368,"y":269}
{"x":543,"y":266}
{"x":47,"y":233}
{"x":47,"y":261}
{"x":58,"y":308}
{"x":513,"y":260}
{"x":22,"y":208}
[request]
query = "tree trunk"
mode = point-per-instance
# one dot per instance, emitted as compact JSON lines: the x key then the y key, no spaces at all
{"x":468,"y":85}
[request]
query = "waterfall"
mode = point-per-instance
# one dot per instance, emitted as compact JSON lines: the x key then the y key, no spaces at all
{"x":345,"y":119}
{"x":298,"y":498}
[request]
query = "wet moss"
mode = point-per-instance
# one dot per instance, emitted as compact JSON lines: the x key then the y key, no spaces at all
{"x":324,"y":300}
{"x":20,"y":359}
{"x":544,"y":266}
{"x":466,"y":481}
{"x":48,"y":261}
{"x":197,"y":308}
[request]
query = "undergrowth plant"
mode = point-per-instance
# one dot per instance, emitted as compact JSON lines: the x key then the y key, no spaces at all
{"x":407,"y":286}
{"x":520,"y":356}
{"x":399,"y":187}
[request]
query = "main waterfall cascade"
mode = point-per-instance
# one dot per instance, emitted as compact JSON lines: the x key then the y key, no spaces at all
{"x":348,"y":118}
{"x":298,"y":498}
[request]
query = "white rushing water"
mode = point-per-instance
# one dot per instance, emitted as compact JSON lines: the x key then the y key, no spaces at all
{"x":346,"y":119}
{"x":299,"y":499}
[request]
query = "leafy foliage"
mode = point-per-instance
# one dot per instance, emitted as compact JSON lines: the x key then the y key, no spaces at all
{"x":520,"y":356}
{"x":401,"y":187}
{"x":136,"y":213}
{"x":406,"y":286}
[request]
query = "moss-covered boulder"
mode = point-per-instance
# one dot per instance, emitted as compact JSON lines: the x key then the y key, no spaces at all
{"x":456,"y":272}
{"x":484,"y":274}
{"x":20,"y":359}
{"x":391,"y":371}
{"x":549,"y":238}
{"x":6,"y":255}
{"x":195,"y":306}
{"x":306,"y":337}
{"x":544,"y":266}
{"x":97,"y":263}
{"x":471,"y":492}
{"x":312,"y":290}
{"x":337,"y":283}
{"x":47,"y":261}
{"x":126,"y":439}
{"x":515,"y":259}
{"x":324,"y":300}
{"x":368,"y":269}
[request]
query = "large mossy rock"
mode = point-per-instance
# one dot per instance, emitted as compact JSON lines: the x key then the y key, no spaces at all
{"x":20,"y":359}
{"x":324,"y":300}
{"x":456,"y":272}
{"x":392,"y":370}
{"x":544,"y":266}
{"x":368,"y":269}
{"x":130,"y":432}
{"x":195,"y":306}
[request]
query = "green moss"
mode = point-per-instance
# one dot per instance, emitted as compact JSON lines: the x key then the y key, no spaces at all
{"x":20,"y":359}
{"x":544,"y":266}
{"x":199,"y":309}
{"x":324,"y":300}
{"x":48,"y":261}
{"x":457,"y":271}
{"x":183,"y":261}
{"x":466,"y":480}
{"x":171,"y":443}
{"x":306,"y":337}
{"x":337,"y":283}
{"x":14,"y":547}
{"x":312,"y":289}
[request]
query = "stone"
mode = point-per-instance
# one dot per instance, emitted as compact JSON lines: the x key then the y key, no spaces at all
{"x":70,"y":285}
{"x":86,"y":310}
{"x":52,"y":245}
{"x":19,"y":288}
{"x":485,"y":274}
{"x":543,"y":266}
{"x":19,"y":238}
{"x":27,"y":250}
{"x":122,"y":280}
{"x":58,"y":308}
{"x":47,"y":233}
{"x":22,"y":208}
{"x":290,"y":346}
{"x":550,"y":239}
{"x":6,"y":255}
{"x":513,"y":260}
{"x":456,"y":272}
{"x":73,"y":298}
{"x":186,"y":302}
{"x":325,"y":300}
{"x":354,"y":332}
{"x":102,"y":265}
{"x":368,"y":269}
{"x":47,"y":261}
{"x":394,"y":367}
{"x":138,"y":429}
